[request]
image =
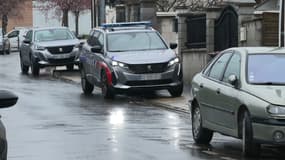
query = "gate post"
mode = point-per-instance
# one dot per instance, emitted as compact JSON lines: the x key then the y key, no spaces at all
{"x":211,"y":15}
{"x":148,"y":11}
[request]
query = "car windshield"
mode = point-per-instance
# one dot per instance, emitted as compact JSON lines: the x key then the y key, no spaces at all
{"x":53,"y":34}
{"x":134,"y":41}
{"x":266,"y":69}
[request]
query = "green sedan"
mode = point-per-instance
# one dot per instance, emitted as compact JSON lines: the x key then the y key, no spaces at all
{"x":241,"y":93}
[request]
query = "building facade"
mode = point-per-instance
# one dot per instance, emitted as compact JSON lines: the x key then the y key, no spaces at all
{"x":23,"y":18}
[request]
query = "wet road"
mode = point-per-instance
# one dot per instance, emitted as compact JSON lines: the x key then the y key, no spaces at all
{"x":54,"y":120}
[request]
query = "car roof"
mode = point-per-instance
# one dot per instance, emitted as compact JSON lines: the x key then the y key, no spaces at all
{"x":45,"y":28}
{"x":258,"y":50}
{"x":125,"y":27}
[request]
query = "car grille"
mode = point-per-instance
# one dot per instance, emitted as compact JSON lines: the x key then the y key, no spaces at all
{"x":150,"y":82}
{"x":61,"y":61}
{"x":148,"y":68}
{"x":60,"y":50}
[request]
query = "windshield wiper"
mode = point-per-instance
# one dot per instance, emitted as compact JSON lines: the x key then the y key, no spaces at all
{"x":269,"y":83}
{"x":117,"y":51}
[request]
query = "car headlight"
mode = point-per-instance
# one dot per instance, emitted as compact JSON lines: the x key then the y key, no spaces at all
{"x":277,"y":111}
{"x":38,"y":47}
{"x":173,"y":61}
{"x":116,"y":63}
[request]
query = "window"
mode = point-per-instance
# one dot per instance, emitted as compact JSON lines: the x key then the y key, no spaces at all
{"x":101,"y":39}
{"x":218,"y":67}
{"x":233,"y":67}
{"x":93,"y":39}
{"x":196,"y":31}
{"x":13,"y":34}
{"x":29,"y":35}
{"x":266,"y":69}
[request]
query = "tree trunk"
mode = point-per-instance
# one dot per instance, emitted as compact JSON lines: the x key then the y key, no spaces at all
{"x":4,"y":23}
{"x":76,"y":13}
{"x":65,"y":18}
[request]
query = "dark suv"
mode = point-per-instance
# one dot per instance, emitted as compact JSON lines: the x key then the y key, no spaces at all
{"x":126,"y":56}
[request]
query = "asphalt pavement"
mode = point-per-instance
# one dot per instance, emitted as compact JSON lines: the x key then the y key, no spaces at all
{"x":161,"y":98}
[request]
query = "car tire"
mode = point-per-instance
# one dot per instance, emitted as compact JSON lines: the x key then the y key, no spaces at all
{"x":24,"y":68}
{"x":35,"y":67}
{"x":249,"y":147}
{"x":176,"y":91}
{"x":107,"y":91}
{"x":200,"y":135}
{"x":87,"y":87}
{"x":8,"y":51}
{"x":70,"y":67}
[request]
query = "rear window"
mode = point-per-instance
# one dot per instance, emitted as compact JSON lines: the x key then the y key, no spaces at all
{"x":266,"y":69}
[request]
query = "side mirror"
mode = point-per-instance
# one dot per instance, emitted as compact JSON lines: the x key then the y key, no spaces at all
{"x":7,"y":99}
{"x":96,"y":49}
{"x":173,"y":45}
{"x":27,"y":41}
{"x":80,"y":36}
{"x":233,"y":80}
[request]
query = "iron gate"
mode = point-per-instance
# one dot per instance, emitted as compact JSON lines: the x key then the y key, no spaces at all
{"x":226,"y":30}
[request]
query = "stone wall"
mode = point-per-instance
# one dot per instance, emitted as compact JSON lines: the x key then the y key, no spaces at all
{"x":165,"y":25}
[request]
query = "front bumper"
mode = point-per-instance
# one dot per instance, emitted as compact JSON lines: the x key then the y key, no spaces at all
{"x":265,"y":131}
{"x":44,"y":58}
{"x":172,"y":77}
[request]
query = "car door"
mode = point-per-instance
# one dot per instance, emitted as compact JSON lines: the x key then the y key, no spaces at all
{"x":25,"y":48}
{"x":228,"y":98}
{"x":14,"y":39}
{"x":98,"y":58}
{"x":87,"y":57}
{"x":210,"y":89}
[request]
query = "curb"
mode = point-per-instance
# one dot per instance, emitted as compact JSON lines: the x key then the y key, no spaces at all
{"x":166,"y":106}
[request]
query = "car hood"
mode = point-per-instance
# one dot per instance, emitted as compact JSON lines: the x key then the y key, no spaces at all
{"x":143,"y":57}
{"x":58,"y":43}
{"x":272,"y":94}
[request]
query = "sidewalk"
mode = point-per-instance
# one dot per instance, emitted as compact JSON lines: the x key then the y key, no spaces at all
{"x":163,"y":98}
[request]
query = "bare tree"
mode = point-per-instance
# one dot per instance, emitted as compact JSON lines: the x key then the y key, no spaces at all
{"x":7,"y":8}
{"x":63,"y":7}
{"x":77,"y":7}
{"x":169,"y":5}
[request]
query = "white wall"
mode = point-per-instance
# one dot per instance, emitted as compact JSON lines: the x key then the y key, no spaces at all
{"x":41,"y":20}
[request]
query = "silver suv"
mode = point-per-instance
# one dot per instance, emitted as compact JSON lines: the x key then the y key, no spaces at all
{"x":49,"y":46}
{"x":129,"y":56}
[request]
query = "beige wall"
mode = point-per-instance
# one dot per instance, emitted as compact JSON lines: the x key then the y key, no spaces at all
{"x":23,"y":18}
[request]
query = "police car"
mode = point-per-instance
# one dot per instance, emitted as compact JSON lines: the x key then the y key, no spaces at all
{"x":129,"y":56}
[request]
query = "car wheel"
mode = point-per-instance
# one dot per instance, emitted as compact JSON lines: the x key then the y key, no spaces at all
{"x":200,"y":135}
{"x":8,"y":50}
{"x":107,"y":92}
{"x":249,"y":147}
{"x":176,"y":91}
{"x":24,"y":68}
{"x":3,"y":150}
{"x":35,"y":67}
{"x":70,"y":67}
{"x":87,"y":87}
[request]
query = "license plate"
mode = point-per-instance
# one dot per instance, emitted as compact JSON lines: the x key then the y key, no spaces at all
{"x":63,"y":56}
{"x":151,"y":76}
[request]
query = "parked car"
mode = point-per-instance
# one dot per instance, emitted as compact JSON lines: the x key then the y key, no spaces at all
{"x":49,"y":46}
{"x":7,"y":99}
{"x":16,"y":37}
{"x":4,"y":43}
{"x":129,"y":56}
{"x":241,"y":94}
